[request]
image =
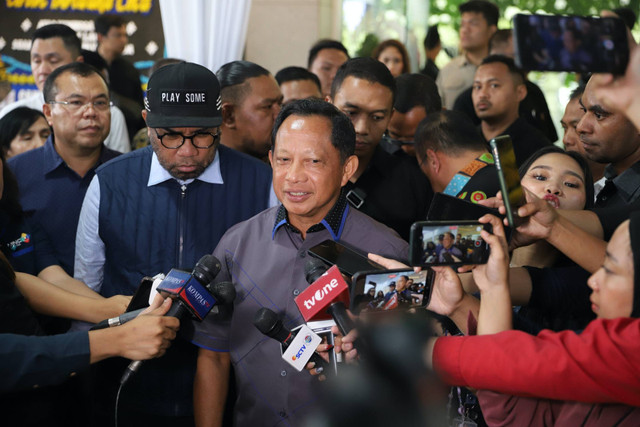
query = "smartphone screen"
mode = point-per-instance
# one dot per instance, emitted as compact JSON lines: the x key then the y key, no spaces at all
{"x":391,"y":289}
{"x":508,"y":176}
{"x":570,"y":43}
{"x":348,"y":260}
{"x":448,"y":243}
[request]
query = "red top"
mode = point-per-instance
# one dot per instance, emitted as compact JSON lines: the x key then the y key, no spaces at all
{"x":600,"y":365}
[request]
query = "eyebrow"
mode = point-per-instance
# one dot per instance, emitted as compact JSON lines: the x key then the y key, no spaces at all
{"x":80,"y":95}
{"x":350,"y":105}
{"x":595,"y":109}
{"x":608,"y":255}
{"x":568,"y":172}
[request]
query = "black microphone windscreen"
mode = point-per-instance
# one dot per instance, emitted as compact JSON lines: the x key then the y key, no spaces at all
{"x":268,"y":323}
{"x":206,"y":269}
{"x":313,"y":269}
{"x":225,"y":292}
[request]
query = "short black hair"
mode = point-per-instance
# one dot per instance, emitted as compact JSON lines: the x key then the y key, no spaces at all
{"x":432,"y":39}
{"x":233,"y":76}
{"x":577,"y":92}
{"x":517,"y":73}
{"x":290,"y":74}
{"x":449,"y":131}
{"x":104,"y":22}
{"x":500,"y":37}
{"x":69,"y":37}
{"x":582,"y":162}
{"x":325,"y":44}
{"x":368,"y":69}
{"x":343,"y":134}
{"x":76,"y":68}
{"x":417,"y":90}
{"x":94,"y":58}
{"x":488,"y":10}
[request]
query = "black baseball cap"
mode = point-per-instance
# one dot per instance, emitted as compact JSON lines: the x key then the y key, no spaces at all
{"x":183,"y":95}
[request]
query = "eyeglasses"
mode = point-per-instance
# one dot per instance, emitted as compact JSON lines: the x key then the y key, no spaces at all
{"x":175,"y":140}
{"x":77,"y":106}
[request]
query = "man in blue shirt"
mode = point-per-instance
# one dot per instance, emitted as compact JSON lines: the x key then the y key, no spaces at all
{"x":53,"y":179}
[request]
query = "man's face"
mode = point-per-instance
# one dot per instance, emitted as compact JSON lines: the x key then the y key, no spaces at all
{"x":474,"y":31}
{"x":307,"y":171}
{"x":494,"y":92}
{"x":606,"y":136}
{"x":46,"y":56}
{"x":447,"y":241}
{"x":255,"y":115}
{"x":402,"y":127}
{"x":612,"y":284}
{"x":299,"y":89}
{"x":186,"y":162}
{"x":572,"y":115}
{"x":401,"y":284}
{"x":115,"y":40}
{"x":325,"y":65}
{"x":87,"y":127}
{"x":368,"y":105}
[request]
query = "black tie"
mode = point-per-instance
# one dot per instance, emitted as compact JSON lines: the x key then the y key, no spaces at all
{"x":607,"y":191}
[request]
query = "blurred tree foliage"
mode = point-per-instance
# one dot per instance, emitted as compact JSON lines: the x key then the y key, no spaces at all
{"x":567,"y":7}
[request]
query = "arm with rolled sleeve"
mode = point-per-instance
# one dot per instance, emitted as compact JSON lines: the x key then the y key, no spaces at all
{"x":90,"y":253}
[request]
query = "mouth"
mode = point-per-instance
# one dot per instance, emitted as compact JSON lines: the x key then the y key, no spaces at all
{"x":483,"y":106}
{"x":91,"y":129}
{"x":552,"y":199}
{"x":296,"y":196}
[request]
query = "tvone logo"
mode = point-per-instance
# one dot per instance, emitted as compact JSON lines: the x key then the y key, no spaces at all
{"x":321,"y":293}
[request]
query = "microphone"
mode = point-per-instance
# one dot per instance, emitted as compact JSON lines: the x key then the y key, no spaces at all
{"x":190,"y":295}
{"x":269,"y":324}
{"x":327,"y":293}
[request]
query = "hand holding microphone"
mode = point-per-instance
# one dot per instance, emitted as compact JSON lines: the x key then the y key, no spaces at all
{"x":191,"y":295}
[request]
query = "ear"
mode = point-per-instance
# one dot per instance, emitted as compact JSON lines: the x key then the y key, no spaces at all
{"x":228,"y":115}
{"x":521,"y":91}
{"x":46,"y":110}
{"x":80,"y":59}
{"x":433,"y":160}
{"x":349,"y":168}
{"x":329,"y":100}
{"x":271,"y":158}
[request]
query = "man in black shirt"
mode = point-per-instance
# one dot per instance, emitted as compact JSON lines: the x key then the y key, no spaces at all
{"x":388,"y":188}
{"x":124,"y":79}
{"x":498,"y":88}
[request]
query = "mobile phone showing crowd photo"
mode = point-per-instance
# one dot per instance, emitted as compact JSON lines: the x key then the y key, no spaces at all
{"x":375,"y":291}
{"x":448,"y":243}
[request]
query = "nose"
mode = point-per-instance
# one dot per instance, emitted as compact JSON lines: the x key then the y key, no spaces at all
{"x":360,"y":125}
{"x":585,"y":125}
{"x":89,"y":110}
{"x":295,"y":172}
{"x":553,"y":188}
{"x":187,"y":149}
{"x":592,"y":282}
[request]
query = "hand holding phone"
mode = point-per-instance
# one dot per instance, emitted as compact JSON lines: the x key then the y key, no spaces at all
{"x":495,"y":273}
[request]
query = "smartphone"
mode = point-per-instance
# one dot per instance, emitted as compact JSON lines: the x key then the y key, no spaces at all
{"x":508,"y":176}
{"x":348,"y":260}
{"x":373,"y":291}
{"x":448,"y":243}
{"x":140,"y":298}
{"x":581,"y":44}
